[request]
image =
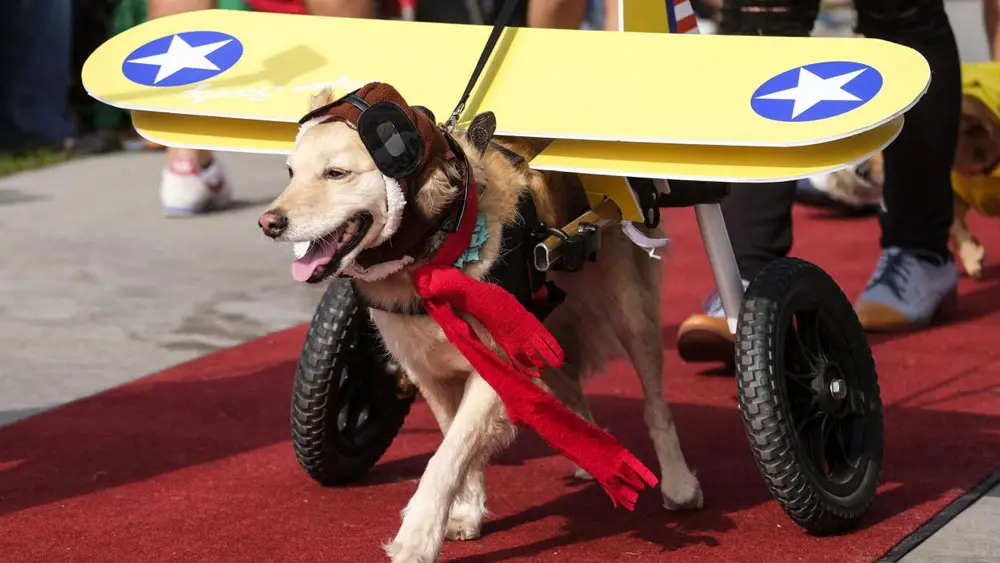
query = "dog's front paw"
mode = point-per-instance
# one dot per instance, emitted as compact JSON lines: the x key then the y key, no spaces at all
{"x":418,"y":540}
{"x":410,"y":552}
{"x":682,"y":492}
{"x":972,"y":255}
{"x":466,"y":518}
{"x":462,"y":529}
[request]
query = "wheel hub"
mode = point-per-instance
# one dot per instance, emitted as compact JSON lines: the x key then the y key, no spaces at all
{"x":829,"y":387}
{"x":838,"y":389}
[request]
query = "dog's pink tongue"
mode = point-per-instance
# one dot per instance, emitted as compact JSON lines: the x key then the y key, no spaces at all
{"x":319,"y":256}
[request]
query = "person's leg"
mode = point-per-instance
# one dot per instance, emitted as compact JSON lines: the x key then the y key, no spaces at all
{"x":758,"y":216}
{"x":444,"y":11}
{"x":611,"y":15}
{"x":565,"y":14}
{"x":35,"y":53}
{"x":193,"y":180}
{"x":916,"y":275}
{"x":342,"y":8}
{"x":759,"y":220}
{"x":160,"y":8}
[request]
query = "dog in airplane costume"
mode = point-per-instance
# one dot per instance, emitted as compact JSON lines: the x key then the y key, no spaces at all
{"x":435,"y":230}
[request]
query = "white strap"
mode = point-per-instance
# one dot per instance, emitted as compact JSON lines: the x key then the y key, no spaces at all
{"x":648,"y":244}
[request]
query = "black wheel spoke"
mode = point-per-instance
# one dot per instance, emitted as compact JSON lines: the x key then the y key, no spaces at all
{"x":829,"y":430}
{"x":856,"y":406}
{"x":808,"y":329}
{"x":803,"y":380}
{"x":798,"y":351}
{"x":816,"y":443}
{"x":812,"y":416}
{"x":840,"y":441}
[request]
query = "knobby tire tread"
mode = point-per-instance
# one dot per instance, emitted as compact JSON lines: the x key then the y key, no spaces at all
{"x":769,"y":431}
{"x":314,"y":398}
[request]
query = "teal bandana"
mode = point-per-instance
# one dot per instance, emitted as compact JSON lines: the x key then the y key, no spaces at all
{"x":479,"y":237}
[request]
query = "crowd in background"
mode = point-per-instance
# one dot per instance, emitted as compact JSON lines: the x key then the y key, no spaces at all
{"x":43,"y":45}
{"x":42,"y":106}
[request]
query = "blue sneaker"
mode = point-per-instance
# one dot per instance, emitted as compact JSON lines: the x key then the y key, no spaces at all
{"x":908,"y":290}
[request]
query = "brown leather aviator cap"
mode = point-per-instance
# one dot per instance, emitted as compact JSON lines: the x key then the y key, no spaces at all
{"x":435,"y":146}
{"x":424,"y":154}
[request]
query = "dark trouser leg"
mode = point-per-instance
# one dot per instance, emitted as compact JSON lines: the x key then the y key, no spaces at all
{"x":759,"y":221}
{"x":35,"y":55}
{"x":917,"y":192}
{"x":759,"y":216}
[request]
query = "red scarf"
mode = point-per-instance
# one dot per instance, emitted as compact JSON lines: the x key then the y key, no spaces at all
{"x":444,"y":289}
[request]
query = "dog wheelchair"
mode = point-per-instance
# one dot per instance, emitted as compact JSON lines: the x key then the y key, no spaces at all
{"x":807,"y":385}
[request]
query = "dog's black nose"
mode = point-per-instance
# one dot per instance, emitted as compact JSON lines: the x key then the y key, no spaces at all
{"x":273,"y":223}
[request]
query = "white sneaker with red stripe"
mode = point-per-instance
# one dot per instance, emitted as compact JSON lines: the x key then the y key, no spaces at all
{"x":187,"y":188}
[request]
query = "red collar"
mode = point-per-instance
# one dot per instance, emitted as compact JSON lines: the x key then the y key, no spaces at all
{"x":455,"y":244}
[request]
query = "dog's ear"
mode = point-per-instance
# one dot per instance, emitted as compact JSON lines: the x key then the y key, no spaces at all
{"x":321,"y":98}
{"x":426,"y":111}
{"x":481,"y":131}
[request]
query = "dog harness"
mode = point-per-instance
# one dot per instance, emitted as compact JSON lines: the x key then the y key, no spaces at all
{"x":513,"y":270}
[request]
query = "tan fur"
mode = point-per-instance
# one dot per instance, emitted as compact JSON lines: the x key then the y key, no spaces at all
{"x":612,"y":311}
{"x":849,"y":186}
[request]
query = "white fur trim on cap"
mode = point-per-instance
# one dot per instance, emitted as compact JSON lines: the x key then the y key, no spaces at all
{"x":395,"y":202}
{"x":305,"y":127}
{"x":378,"y":271}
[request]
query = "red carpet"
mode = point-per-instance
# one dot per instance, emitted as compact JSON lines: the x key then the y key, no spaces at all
{"x":194,"y":465}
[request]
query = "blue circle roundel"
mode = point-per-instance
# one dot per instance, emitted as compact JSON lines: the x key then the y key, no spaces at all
{"x":816,"y":91}
{"x":182,"y":58}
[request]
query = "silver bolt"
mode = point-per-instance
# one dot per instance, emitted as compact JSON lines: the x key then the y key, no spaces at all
{"x":838,"y":388}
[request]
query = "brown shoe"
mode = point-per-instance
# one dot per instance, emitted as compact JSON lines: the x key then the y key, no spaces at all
{"x":704,"y":338}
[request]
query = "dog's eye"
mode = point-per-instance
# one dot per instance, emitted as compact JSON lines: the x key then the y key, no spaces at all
{"x":290,"y":173}
{"x":334,"y":174}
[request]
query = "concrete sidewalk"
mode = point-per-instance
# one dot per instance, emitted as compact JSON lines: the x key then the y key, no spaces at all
{"x":97,"y":288}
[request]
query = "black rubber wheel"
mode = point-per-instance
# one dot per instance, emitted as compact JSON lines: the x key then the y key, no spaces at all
{"x":347,"y":404}
{"x":809,"y":395}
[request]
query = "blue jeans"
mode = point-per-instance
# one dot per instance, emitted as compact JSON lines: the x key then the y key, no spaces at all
{"x":35,"y":50}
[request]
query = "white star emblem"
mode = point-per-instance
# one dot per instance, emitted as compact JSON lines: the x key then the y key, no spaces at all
{"x":812,"y":89}
{"x":179,"y":56}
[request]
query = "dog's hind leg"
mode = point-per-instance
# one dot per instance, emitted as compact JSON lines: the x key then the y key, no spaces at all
{"x":477,"y":429}
{"x":634,"y":314}
{"x":970,"y":251}
{"x":566,"y":382}
{"x":565,"y":385}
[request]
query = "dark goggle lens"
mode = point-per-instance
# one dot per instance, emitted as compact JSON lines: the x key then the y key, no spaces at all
{"x":392,"y":139}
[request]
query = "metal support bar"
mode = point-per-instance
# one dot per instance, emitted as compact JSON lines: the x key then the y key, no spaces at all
{"x":550,"y":250}
{"x":722,"y":259}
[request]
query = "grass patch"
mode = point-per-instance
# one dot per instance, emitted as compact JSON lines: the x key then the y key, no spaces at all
{"x":14,"y":163}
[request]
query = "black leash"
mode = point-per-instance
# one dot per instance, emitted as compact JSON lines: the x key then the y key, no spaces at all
{"x":498,"y":26}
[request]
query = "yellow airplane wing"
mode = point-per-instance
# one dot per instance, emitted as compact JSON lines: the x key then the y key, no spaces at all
{"x":711,"y":163}
{"x":688,"y":162}
{"x":563,"y":84}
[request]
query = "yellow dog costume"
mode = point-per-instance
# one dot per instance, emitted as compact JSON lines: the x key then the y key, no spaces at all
{"x":982,"y":193}
{"x":979,"y":135}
